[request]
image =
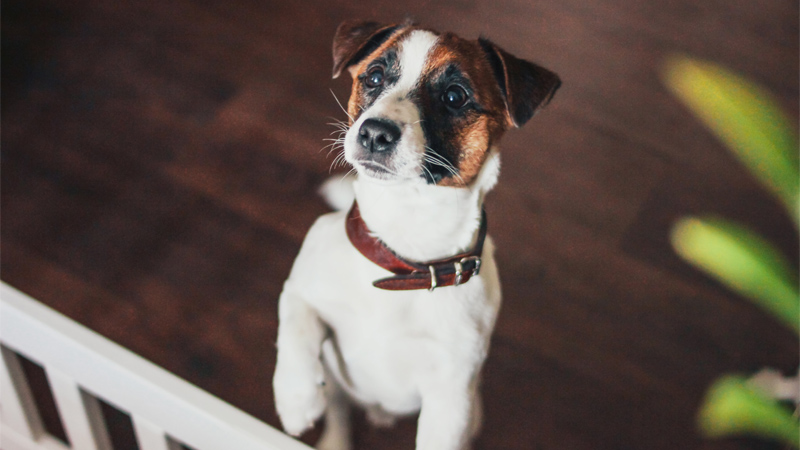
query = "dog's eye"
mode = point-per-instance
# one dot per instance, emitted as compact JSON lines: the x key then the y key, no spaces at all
{"x":455,"y":96}
{"x":374,"y":77}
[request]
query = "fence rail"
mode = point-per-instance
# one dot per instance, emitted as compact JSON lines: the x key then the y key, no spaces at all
{"x":83,"y":367}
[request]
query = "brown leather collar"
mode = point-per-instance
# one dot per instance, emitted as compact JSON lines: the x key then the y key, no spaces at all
{"x":411,"y":275}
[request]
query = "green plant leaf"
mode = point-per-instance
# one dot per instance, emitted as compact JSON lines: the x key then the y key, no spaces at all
{"x":743,"y":261}
{"x":746,"y":118}
{"x":732,"y":407}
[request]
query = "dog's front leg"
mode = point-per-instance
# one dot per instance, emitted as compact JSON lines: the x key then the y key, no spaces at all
{"x":299,"y":377}
{"x":446,"y":414}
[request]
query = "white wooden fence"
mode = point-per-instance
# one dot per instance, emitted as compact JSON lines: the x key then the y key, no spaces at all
{"x":82,"y":367}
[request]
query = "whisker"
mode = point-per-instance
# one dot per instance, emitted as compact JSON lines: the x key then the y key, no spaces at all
{"x":430,"y":174}
{"x":436,"y":159}
{"x":338,"y":148}
{"x":333,"y":141}
{"x":334,"y":148}
{"x":335,"y":119}
{"x":333,"y":144}
{"x":341,"y":126}
{"x":340,"y":106}
{"x":339,"y":160}
{"x":446,"y":167}
{"x":339,"y":130}
{"x":347,"y":175}
{"x":440,"y":162}
{"x":455,"y":175}
{"x":332,"y":166}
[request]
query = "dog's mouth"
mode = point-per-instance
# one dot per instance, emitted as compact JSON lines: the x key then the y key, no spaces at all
{"x":375,"y":170}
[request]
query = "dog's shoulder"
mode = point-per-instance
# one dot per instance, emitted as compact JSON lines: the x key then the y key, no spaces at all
{"x":337,"y":191}
{"x":326,"y":233}
{"x":325,"y":257}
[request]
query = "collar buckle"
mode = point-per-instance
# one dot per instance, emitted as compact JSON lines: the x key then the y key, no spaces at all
{"x":459,"y":265}
{"x":434,"y":284}
{"x":476,"y":260}
{"x":459,"y":272}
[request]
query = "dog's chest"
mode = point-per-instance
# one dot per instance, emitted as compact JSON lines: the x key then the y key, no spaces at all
{"x":388,"y":350}
{"x":390,"y":342}
{"x":391,"y":350}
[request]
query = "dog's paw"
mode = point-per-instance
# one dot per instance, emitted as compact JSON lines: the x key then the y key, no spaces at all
{"x":299,"y":398}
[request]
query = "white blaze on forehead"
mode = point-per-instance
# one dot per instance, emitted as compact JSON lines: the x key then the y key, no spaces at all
{"x":413,"y":53}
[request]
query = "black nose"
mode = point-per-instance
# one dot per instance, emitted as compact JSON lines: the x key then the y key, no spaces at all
{"x":378,"y":135}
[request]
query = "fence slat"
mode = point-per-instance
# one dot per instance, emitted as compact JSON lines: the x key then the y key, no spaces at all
{"x":11,"y":440}
{"x":148,"y":435}
{"x":19,"y":411}
{"x":80,"y":413}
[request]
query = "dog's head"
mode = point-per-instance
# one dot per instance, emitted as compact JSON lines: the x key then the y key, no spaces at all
{"x":428,"y":106}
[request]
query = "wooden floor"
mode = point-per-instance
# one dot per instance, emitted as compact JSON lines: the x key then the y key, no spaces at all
{"x":160,"y":161}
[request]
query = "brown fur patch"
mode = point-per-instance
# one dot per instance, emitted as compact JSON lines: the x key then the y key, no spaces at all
{"x":479,"y":132}
{"x":474,"y":141}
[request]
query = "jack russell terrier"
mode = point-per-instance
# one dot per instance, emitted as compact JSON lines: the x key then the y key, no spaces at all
{"x":391,"y":304}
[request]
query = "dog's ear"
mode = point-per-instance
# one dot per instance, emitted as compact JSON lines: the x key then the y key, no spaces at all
{"x":526,"y":87}
{"x":354,"y":41}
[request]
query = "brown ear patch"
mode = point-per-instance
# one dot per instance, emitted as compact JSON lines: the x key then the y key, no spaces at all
{"x":354,"y":41}
{"x":526,"y":86}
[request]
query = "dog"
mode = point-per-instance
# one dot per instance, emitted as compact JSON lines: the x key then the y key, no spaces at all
{"x":391,"y":304}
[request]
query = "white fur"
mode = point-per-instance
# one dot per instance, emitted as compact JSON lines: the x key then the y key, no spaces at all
{"x":338,"y":192}
{"x":413,"y":53}
{"x":395,"y":352}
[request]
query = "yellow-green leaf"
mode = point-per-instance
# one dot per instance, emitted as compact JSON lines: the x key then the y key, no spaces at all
{"x":733,"y":408}
{"x":746,"y":118}
{"x":743,"y":261}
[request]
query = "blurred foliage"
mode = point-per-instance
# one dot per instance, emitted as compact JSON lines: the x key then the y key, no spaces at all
{"x":745,"y":410}
{"x":747,"y":119}
{"x":743,"y":261}
{"x":753,"y":127}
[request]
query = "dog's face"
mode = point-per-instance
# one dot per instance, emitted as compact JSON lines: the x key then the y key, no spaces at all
{"x":427,"y":106}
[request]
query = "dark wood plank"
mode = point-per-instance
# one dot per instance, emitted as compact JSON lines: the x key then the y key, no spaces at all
{"x":160,"y":167}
